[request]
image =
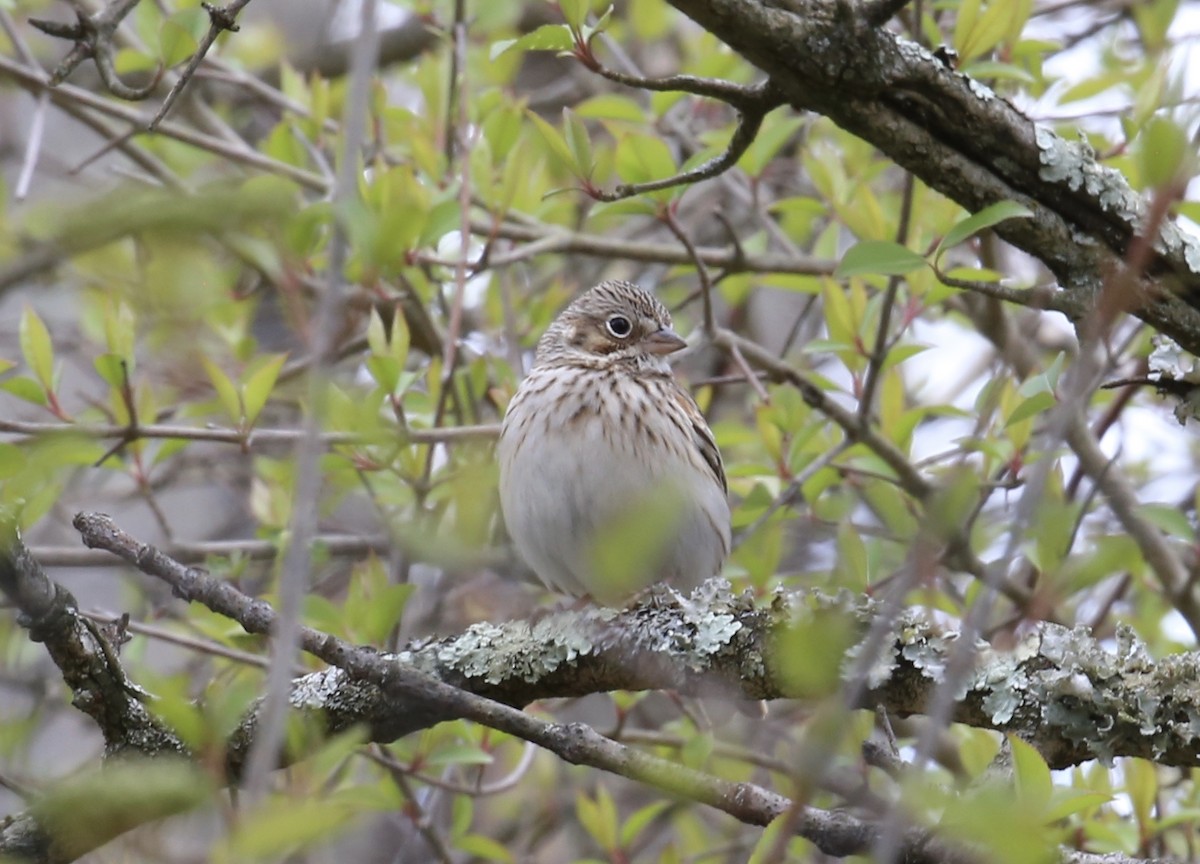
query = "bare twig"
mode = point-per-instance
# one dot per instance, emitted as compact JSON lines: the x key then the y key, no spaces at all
{"x":220,"y":19}
{"x":250,"y":439}
{"x":297,"y":562}
{"x":880,"y":349}
{"x":546,"y":239}
{"x":750,"y":117}
{"x":93,"y":37}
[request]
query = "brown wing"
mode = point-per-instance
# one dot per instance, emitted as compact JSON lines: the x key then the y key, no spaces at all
{"x":702,"y":436}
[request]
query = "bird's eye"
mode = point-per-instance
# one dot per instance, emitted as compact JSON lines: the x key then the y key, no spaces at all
{"x":619,"y":326}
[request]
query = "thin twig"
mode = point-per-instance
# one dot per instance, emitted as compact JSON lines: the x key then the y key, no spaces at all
{"x":297,"y":563}
{"x":750,"y":121}
{"x":220,"y":19}
{"x":33,"y":80}
{"x":33,"y":146}
{"x":668,"y":218}
{"x":251,"y":439}
{"x":555,"y":239}
{"x":879,"y":351}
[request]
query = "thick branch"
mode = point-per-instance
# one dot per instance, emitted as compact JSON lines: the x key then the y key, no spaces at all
{"x":86,"y":656}
{"x":1058,"y":689}
{"x":968,"y":143}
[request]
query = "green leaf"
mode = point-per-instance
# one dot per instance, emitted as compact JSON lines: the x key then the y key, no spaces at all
{"x":991,"y":215}
{"x":548,"y":37}
{"x":36,"y":348}
{"x":638,"y":822}
{"x":985,"y":31}
{"x":1162,"y":149}
{"x":1031,"y":773}
{"x":258,"y":386}
{"x":878,"y":257}
{"x":578,"y":142}
{"x":642,"y":158}
{"x":178,"y":36}
{"x":574,"y":12}
{"x":611,"y":106}
{"x":974,"y":274}
{"x":111,"y":367}
{"x":1170,"y":520}
{"x":119,"y":329}
{"x":554,"y":140}
{"x":1035,"y":404}
{"x":284,"y":824}
{"x":599,"y":818}
{"x":587,"y":31}
{"x":460,"y":754}
{"x":484,"y":848}
{"x":852,"y":560}
{"x":227,"y":392}
{"x":993,"y":70}
{"x":376,"y":333}
{"x":764,"y":848}
{"x":85,"y":812}
{"x":767,"y":144}
{"x":385,"y":371}
{"x":807,"y":654}
{"x":25,"y":388}
{"x":1068,"y":802}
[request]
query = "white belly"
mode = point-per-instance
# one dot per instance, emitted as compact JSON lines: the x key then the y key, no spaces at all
{"x":597,"y":506}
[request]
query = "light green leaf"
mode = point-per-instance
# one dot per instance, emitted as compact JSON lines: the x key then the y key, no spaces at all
{"x":1035,"y":404}
{"x":642,"y":158}
{"x":548,"y":37}
{"x":111,"y":367}
{"x":85,"y":812}
{"x":768,"y":143}
{"x":974,"y":274}
{"x":578,"y":142}
{"x":637,"y":823}
{"x":881,"y":257}
{"x":991,"y":215}
{"x":484,"y":848}
{"x":285,"y":824}
{"x":1162,"y":148}
{"x":574,"y":12}
{"x":1067,"y":802}
{"x":259,"y":385}
{"x":36,"y":348}
{"x":1170,"y":520}
{"x":598,"y":817}
{"x":611,"y":106}
{"x":460,"y":754}
{"x":25,"y":388}
{"x":376,"y":334}
{"x":554,"y":140}
{"x":227,"y":393}
{"x":177,"y":38}
{"x":1031,"y":774}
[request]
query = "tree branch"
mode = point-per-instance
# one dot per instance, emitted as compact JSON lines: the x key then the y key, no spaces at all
{"x":963,"y":140}
{"x":1058,"y":689}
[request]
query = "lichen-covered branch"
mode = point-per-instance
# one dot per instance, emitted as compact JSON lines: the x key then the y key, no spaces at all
{"x":968,"y":143}
{"x":1058,"y":689}
{"x":85,"y":655}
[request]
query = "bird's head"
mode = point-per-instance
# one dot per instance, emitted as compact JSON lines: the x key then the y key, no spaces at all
{"x":614,"y":324}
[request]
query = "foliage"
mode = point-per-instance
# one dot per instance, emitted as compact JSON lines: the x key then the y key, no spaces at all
{"x":164,"y":352}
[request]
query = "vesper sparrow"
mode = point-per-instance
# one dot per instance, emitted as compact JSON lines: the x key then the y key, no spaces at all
{"x":599,"y":435}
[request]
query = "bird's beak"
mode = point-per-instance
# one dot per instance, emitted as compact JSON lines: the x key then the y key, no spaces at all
{"x":664,"y":341}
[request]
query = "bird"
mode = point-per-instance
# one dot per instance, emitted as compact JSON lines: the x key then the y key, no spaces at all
{"x":610,"y":479}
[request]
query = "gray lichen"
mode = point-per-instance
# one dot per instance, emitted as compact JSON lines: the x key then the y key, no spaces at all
{"x":1073,"y":163}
